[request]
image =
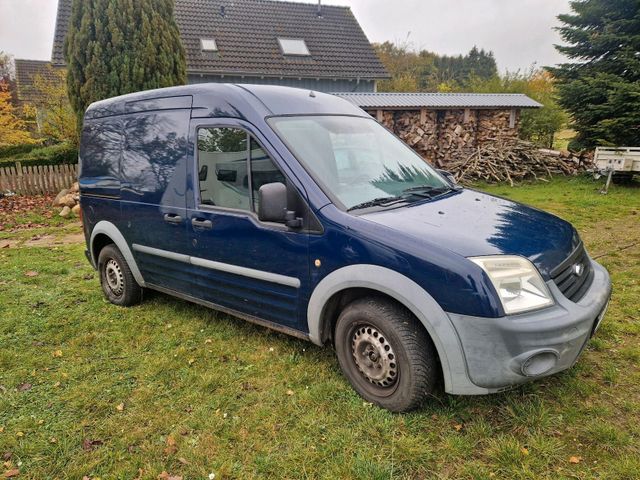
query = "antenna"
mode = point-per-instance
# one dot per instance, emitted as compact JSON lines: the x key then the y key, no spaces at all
{"x":319,"y":8}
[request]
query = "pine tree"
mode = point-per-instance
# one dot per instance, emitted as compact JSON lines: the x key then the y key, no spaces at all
{"x":601,"y":88}
{"x":120,"y":46}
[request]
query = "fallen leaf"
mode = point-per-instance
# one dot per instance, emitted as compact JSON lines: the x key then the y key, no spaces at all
{"x":53,"y":440}
{"x":524,"y":451}
{"x":208,"y":341}
{"x":184,"y":461}
{"x":120,"y":407}
{"x":575,"y":459}
{"x":7,"y":456}
{"x":23,"y":387}
{"x":171,"y":446}
{"x":192,"y":361}
{"x":20,"y":434}
{"x":289,"y":392}
{"x":88,"y":444}
{"x":11,"y":473}
{"x":458,"y":427}
{"x":31,"y":273}
{"x":57,"y":353}
{"x":165,"y":476}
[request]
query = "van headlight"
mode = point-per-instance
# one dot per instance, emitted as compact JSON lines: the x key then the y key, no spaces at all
{"x":518,"y":283}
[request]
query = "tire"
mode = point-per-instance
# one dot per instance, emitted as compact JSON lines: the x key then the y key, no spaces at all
{"x":386,"y":354}
{"x":116,"y":279}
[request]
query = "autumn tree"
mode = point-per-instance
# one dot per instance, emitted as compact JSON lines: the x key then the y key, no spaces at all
{"x":56,"y":117}
{"x":13,"y":130}
{"x":115,"y":47}
{"x":413,"y":71}
{"x":601,"y":86}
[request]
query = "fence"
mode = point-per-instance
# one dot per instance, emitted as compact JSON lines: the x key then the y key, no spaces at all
{"x":37,"y":179}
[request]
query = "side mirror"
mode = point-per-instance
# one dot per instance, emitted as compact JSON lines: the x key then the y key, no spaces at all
{"x":272,"y":202}
{"x":272,"y":205}
{"x":449,"y":176}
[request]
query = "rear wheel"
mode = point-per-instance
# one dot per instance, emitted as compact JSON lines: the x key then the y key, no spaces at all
{"x":385,"y":353}
{"x":118,"y":284}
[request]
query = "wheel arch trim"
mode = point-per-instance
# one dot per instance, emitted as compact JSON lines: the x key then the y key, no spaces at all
{"x":412,"y":296}
{"x":110,"y":230}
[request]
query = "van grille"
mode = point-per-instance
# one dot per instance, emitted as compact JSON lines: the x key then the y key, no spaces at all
{"x":574,"y":275}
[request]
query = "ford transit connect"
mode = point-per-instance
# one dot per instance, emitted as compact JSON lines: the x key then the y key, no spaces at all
{"x":299,"y":212}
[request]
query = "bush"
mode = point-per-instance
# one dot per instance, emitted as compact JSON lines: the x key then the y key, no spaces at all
{"x":61,"y":153}
{"x":10,"y":151}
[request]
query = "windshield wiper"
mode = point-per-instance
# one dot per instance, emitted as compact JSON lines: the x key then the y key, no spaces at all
{"x":428,"y":191}
{"x":378,"y":202}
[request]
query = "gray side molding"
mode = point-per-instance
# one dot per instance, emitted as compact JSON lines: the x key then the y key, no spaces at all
{"x":412,"y":296}
{"x":110,"y":230}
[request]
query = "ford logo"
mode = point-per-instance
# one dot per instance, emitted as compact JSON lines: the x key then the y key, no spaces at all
{"x":578,"y":268}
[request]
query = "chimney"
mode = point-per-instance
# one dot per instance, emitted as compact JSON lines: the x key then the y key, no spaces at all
{"x":319,"y":8}
{"x":222,"y":12}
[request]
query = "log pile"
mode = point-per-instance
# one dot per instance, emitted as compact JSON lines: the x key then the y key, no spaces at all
{"x":515,"y":160}
{"x":441,"y":135}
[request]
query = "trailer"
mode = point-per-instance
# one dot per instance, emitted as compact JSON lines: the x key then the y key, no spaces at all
{"x":619,"y":164}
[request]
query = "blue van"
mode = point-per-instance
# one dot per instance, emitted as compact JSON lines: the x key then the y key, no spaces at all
{"x":299,"y":212}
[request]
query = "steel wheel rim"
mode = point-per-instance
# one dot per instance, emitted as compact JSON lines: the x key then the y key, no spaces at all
{"x":114,"y":277}
{"x":374,"y":356}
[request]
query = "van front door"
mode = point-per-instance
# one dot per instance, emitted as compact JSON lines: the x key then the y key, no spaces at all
{"x":260,"y":270}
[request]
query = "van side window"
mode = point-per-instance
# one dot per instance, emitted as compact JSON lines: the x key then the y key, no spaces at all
{"x":263,"y":170}
{"x":223,"y":167}
{"x":229,"y":160}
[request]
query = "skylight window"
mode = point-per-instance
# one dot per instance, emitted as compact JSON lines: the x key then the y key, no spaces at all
{"x":293,"y":46}
{"x":208,"y":45}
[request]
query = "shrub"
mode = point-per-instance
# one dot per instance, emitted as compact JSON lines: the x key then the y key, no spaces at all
{"x":61,"y":153}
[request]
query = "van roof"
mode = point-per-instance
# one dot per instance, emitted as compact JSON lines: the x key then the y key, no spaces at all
{"x":226,"y":100}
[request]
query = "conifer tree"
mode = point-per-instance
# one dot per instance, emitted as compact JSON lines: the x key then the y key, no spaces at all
{"x":115,"y":47}
{"x":601,"y":88}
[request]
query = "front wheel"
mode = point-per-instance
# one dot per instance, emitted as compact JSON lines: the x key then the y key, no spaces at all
{"x":116,"y":279}
{"x":386,"y":354}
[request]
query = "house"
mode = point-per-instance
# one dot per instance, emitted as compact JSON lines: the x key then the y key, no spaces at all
{"x":26,"y":92}
{"x":26,"y":73}
{"x":304,"y":45}
{"x":446,"y":126}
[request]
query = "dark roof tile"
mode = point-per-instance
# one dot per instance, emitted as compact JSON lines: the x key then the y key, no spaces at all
{"x":246,"y":37}
{"x":26,"y":73}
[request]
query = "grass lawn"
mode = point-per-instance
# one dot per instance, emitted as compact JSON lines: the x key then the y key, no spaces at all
{"x":90,"y":389}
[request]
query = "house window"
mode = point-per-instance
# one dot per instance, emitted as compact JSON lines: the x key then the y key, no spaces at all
{"x":293,"y":46}
{"x":208,"y":45}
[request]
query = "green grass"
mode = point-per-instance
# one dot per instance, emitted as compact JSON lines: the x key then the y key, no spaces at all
{"x":563,"y":138}
{"x":203,"y":393}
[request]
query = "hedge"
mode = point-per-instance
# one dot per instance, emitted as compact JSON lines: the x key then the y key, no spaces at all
{"x":51,"y":155}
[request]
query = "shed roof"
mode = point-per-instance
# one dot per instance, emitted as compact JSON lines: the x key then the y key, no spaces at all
{"x":400,"y":101}
{"x":246,"y":34}
{"x":26,"y":73}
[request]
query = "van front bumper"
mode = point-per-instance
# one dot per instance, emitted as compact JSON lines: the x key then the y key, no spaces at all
{"x":506,"y":351}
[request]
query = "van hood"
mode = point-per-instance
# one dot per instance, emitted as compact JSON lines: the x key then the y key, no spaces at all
{"x":471,"y":223}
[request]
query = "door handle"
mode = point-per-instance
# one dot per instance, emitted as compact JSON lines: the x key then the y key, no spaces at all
{"x":172,"y":218}
{"x":199,"y":223}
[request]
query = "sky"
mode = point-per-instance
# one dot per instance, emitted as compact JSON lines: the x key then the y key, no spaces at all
{"x":519,"y":32}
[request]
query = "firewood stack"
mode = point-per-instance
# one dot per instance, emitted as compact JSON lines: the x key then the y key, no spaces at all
{"x":515,"y":160}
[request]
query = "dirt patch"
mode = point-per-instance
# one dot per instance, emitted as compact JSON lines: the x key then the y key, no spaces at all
{"x":53,"y":240}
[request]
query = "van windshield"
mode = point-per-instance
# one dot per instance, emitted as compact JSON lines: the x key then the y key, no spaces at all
{"x":358,"y":162}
